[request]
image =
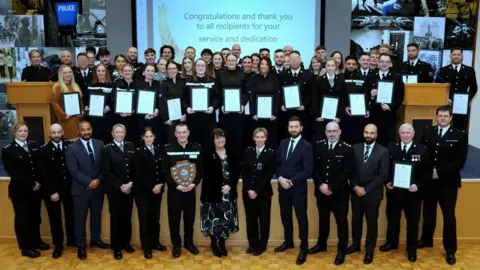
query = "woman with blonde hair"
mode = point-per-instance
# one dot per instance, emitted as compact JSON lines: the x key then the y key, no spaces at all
{"x":66,"y":84}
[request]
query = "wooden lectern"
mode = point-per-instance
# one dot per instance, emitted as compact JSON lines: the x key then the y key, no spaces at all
{"x":32,"y":100}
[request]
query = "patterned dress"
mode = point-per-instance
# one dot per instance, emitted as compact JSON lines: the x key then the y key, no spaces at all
{"x":219,"y":219}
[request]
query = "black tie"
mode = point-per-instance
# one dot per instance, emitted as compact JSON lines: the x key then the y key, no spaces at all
{"x":290,"y":150}
{"x":366,"y":155}
{"x":412,"y":64}
{"x":90,"y":153}
{"x":331,"y":147}
{"x":364,"y":73}
{"x":405,"y":149}
{"x":294,"y":75}
{"x":440,"y":132}
{"x":456,"y":68}
{"x":383,"y":76}
{"x":59,"y":148}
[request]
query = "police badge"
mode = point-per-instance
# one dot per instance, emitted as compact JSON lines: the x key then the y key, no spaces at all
{"x":183,"y":173}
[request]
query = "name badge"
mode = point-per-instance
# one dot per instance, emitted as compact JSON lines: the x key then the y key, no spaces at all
{"x":193,"y":156}
{"x":415,"y":158}
{"x":452,"y":140}
{"x":259,"y":166}
{"x":339,"y":156}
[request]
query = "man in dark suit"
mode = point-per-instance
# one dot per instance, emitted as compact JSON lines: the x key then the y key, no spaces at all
{"x":83,"y":161}
{"x":415,"y":66}
{"x":371,"y":171}
{"x":364,"y":63}
{"x":402,"y":198}
{"x":294,"y":166}
{"x":335,"y":162}
{"x":57,"y":184}
{"x":462,"y":79}
{"x":448,"y":147}
{"x":279,"y":58}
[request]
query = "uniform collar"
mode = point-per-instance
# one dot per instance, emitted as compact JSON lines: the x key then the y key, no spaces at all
{"x":21,"y":143}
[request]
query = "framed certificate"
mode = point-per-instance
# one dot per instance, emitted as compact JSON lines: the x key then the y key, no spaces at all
{"x":124,"y":102}
{"x":357,"y":103}
{"x":291,"y":97}
{"x":174,"y":109}
{"x":146,"y":100}
{"x":329,"y":107}
{"x":232,"y":100}
{"x":402,"y":175}
{"x":460,"y":103}
{"x":264,"y":106}
{"x":410,"y":78}
{"x":199,"y":99}
{"x":385,"y":92}
{"x":71,"y":103}
{"x":96,"y":105}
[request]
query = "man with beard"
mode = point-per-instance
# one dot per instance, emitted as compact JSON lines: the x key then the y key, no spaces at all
{"x":294,"y":166}
{"x":132,"y":55}
{"x":190,"y":52}
{"x":150,"y":56}
{"x":103,"y":56}
{"x":279,"y":57}
{"x":415,"y":66}
{"x":57,"y":182}
{"x":371,"y":171}
{"x":83,"y":161}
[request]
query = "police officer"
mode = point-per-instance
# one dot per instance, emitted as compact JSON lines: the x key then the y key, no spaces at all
{"x":462,"y":79}
{"x":334,"y":164}
{"x":408,"y":198}
{"x":415,"y":66}
{"x":56,"y":190}
{"x":117,"y":184}
{"x":181,"y":198}
{"x":448,"y":147}
{"x":35,"y":72}
{"x":258,"y":167}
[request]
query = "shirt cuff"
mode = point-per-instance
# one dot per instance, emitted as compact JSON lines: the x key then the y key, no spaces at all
{"x":290,"y":182}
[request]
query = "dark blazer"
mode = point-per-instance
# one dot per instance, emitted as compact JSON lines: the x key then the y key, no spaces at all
{"x":463,"y":81}
{"x":116,"y":166}
{"x":213,"y":177}
{"x":322,"y":87}
{"x":257,"y":173}
{"x":80,"y":166}
{"x":423,"y":69}
{"x":305,"y":81}
{"x":397,"y":99}
{"x":147,"y":169}
{"x":299,"y":165}
{"x":52,"y":168}
{"x":372,"y":174}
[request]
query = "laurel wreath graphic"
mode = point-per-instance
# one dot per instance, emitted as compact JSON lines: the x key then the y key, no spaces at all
{"x":165,"y":34}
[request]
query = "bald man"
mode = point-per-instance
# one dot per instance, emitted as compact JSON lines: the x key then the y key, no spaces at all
{"x":132,"y":55}
{"x":371,"y":171}
{"x":237,"y":51}
{"x":408,"y":199}
{"x":287,"y":49}
{"x":66,"y":59}
{"x":56,"y":182}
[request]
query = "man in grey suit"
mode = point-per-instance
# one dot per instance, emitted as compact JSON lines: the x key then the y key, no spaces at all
{"x":371,"y":171}
{"x":83,"y":161}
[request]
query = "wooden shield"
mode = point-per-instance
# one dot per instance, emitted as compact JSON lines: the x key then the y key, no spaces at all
{"x":183,"y":173}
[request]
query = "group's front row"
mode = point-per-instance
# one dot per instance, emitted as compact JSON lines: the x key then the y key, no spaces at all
{"x":79,"y":173}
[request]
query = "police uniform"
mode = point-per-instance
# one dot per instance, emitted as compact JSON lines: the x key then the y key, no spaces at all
{"x":401,"y":199}
{"x":257,"y":172}
{"x":21,"y":166}
{"x":156,"y":124}
{"x":130,"y":122}
{"x":179,"y":201}
{"x":463,"y":81}
{"x":352,"y":126}
{"x":422,"y":69}
{"x":116,"y":172}
{"x":334,"y":166}
{"x":35,"y":74}
{"x":449,"y":153}
{"x":56,"y":178}
{"x":86,"y":75}
{"x":170,"y":90}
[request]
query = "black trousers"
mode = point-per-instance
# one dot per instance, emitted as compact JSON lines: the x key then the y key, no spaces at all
{"x":201,"y":126}
{"x":365,"y":206}
{"x":26,"y":222}
{"x":338,"y":204}
{"x":233,"y":124}
{"x":148,"y":207}
{"x":298,"y":201}
{"x":446,"y":195}
{"x":89,"y":200}
{"x":179,"y":202}
{"x":272,"y":129}
{"x":398,"y":200}
{"x":120,"y":206}
{"x":54,"y":210}
{"x":257,"y":213}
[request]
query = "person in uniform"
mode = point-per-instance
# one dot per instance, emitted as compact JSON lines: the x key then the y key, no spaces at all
{"x":127,"y":84}
{"x":66,"y":60}
{"x":24,"y":190}
{"x":117,"y":184}
{"x":84,"y":71}
{"x":374,"y":58}
{"x":150,"y":57}
{"x":448,"y":147}
{"x":258,"y":167}
{"x":132,"y":57}
{"x":149,"y":120}
{"x":335,"y":163}
{"x":35,"y":72}
{"x":415,"y":66}
{"x":181,"y":191}
{"x":462,"y":79}
{"x":279,"y":58}
{"x":57,"y":184}
{"x":148,"y":188}
{"x":409,"y":199}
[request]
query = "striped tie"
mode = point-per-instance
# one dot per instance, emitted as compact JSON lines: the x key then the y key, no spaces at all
{"x":367,"y":153}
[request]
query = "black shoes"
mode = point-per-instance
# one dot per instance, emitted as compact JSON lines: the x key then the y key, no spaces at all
{"x":31,"y":253}
{"x":423,"y":244}
{"x":450,"y":259}
{"x":352,"y":249}
{"x":128,"y":248}
{"x":215,"y":250}
{"x":250,"y":250}
{"x":387,"y":247}
{"x":222,"y":247}
{"x":100,"y":244}
{"x":147,"y":253}
{"x":43,"y":246}
{"x":160,"y":247}
{"x":302,"y":257}
{"x":176,"y":251}
{"x":57,"y":252}
{"x":82,"y":253}
{"x":316,"y":249}
{"x":412,"y":256}
{"x":283,"y":247}
{"x":259,"y":251}
{"x":192,"y":248}
{"x":368,"y":258}
{"x":340,"y":258}
{"x":117,"y":255}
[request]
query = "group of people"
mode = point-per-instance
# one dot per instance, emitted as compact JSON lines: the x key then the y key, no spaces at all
{"x":207,"y":145}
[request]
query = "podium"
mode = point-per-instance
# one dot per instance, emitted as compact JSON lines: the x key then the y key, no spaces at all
{"x":32,"y":100}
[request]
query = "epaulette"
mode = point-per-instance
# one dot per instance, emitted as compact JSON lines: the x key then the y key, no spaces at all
{"x":250,"y":147}
{"x":6,"y":146}
{"x":167,"y":145}
{"x":270,"y":149}
{"x":45,"y":144}
{"x":196,"y":144}
{"x":346,"y":144}
{"x":138,"y":148}
{"x":321,"y":141}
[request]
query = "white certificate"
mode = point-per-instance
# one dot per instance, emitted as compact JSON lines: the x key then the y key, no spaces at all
{"x":146,"y":102}
{"x":291,"y":97}
{"x":231,"y":100}
{"x":247,"y":108}
{"x":385,"y":92}
{"x":410,"y":78}
{"x":357,"y":104}
{"x":402,"y":175}
{"x":329,"y":108}
{"x":124,"y":102}
{"x":71,"y":103}
{"x":264,"y":107}
{"x":460,"y":103}
{"x":174,"y":109}
{"x":96,"y":105}
{"x":199,"y":99}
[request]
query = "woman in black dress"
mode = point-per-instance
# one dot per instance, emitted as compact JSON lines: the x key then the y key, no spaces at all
{"x":150,"y":120}
{"x":127,"y":84}
{"x":218,"y":63}
{"x":218,"y":200}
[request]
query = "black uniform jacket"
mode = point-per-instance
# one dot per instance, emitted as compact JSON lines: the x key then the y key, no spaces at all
{"x":147,"y":169}
{"x":116,"y":166}
{"x":175,"y":153}
{"x":257,"y":173}
{"x":52,"y":168}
